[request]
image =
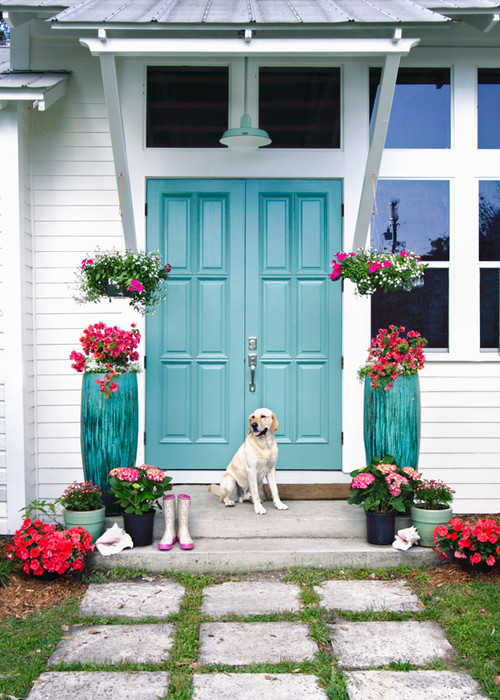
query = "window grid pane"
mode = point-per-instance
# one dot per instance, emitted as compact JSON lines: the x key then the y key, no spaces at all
{"x":186,"y":107}
{"x":300,"y":107}
{"x":488,"y":107}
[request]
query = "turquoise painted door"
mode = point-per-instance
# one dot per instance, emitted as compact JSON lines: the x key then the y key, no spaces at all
{"x":250,"y":260}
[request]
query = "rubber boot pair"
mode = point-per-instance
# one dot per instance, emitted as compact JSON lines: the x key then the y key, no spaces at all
{"x":169,"y":536}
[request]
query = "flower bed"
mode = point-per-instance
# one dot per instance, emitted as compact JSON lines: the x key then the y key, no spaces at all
{"x":42,"y":549}
{"x":478,"y":543}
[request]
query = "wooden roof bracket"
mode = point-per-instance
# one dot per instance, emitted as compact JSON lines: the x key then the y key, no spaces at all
{"x":376,"y":148}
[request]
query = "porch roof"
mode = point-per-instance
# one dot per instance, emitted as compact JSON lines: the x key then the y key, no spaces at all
{"x":265,"y":12}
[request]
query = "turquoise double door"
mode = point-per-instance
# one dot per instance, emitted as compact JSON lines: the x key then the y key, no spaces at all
{"x":250,"y":319}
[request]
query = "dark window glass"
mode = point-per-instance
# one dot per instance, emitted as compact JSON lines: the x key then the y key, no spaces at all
{"x":424,"y":309}
{"x":488,"y":107}
{"x":186,"y":107}
{"x":412,"y":215}
{"x":420,"y":114}
{"x":300,"y":107}
{"x":489,"y":290}
{"x":489,"y":220}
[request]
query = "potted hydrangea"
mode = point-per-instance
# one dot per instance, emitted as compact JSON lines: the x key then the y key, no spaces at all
{"x":371,"y":271}
{"x":82,"y":506}
{"x":383,"y":489}
{"x":392,"y":395}
{"x":136,"y":275}
{"x":137,"y":490}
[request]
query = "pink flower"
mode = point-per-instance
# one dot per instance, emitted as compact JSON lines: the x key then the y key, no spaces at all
{"x":135,"y":286}
{"x":475,"y":558}
{"x":85,"y":262}
{"x":341,"y":256}
{"x":362,"y":481}
{"x":387,"y":263}
{"x":404,"y":254}
{"x":490,"y":561}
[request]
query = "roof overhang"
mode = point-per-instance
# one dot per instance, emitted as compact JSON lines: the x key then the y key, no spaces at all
{"x":313,"y":48}
{"x":43,"y":89}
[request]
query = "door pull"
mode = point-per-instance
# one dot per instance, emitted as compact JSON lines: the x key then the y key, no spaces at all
{"x":252,"y":361}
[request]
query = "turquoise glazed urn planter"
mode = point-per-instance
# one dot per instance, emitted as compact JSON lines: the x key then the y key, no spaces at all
{"x":392,"y":421}
{"x":108,"y":430}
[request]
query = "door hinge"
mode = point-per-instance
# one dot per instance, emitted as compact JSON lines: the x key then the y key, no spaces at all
{"x":144,"y":361}
{"x":144,"y":438}
{"x":341,"y":362}
{"x":342,"y":437}
{"x":145,"y":208}
{"x":342,"y":209}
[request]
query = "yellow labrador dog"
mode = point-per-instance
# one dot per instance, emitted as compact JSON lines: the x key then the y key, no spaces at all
{"x":254,"y":461}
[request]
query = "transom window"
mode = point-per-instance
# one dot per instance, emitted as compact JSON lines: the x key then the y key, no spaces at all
{"x":420,"y":114}
{"x":413,"y":215}
{"x":186,"y":107}
{"x":300,"y":107}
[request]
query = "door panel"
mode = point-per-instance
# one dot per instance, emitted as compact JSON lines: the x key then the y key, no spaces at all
{"x":248,"y":259}
{"x":295,"y":314}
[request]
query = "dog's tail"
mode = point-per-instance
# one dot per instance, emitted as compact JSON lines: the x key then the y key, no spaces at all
{"x":214,"y":489}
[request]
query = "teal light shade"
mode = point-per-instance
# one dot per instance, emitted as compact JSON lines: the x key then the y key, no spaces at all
{"x":245,"y":136}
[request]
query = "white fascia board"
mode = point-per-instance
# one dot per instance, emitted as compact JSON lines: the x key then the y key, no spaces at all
{"x":255,"y":47}
{"x":42,"y":99}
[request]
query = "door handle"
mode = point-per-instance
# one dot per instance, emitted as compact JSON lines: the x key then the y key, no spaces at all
{"x":252,"y":361}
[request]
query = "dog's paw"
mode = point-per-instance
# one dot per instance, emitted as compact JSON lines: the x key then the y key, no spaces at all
{"x":259,"y":509}
{"x":229,"y":502}
{"x":280,"y":506}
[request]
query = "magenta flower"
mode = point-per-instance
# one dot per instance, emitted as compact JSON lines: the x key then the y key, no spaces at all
{"x":362,"y":481}
{"x":387,"y":263}
{"x":135,"y":286}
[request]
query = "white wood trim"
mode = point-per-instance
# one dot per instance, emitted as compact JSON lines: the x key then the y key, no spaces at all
{"x":14,"y":278}
{"x":256,"y":47}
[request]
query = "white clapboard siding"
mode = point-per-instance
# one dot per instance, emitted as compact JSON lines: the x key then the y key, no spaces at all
{"x":460,"y":440}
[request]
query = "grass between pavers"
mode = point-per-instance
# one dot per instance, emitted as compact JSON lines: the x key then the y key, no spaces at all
{"x":469,"y":613}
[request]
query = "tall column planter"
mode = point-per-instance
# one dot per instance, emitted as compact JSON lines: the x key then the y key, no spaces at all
{"x":108,"y":430}
{"x":392,"y":421}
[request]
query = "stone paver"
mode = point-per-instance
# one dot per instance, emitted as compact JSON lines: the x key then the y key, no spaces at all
{"x":414,"y":685}
{"x":249,"y":686}
{"x":362,"y":644}
{"x":368,"y":595}
{"x":250,"y":598}
{"x":243,"y":643}
{"x":132,"y":599}
{"x":99,"y":685}
{"x":115,"y":643}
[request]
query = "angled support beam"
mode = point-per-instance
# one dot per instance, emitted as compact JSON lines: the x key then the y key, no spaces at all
{"x":111,"y":93}
{"x":376,"y":149}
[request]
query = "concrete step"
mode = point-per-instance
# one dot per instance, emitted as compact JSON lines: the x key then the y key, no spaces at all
{"x":243,"y":555}
{"x":326,"y":534}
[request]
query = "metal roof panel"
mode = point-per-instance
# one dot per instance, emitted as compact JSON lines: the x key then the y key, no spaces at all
{"x":278,"y":12}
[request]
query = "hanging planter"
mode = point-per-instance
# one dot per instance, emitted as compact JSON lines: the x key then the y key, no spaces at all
{"x":371,"y":271}
{"x":136,"y":275}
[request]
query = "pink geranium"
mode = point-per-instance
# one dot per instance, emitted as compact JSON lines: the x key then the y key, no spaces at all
{"x":462,"y":540}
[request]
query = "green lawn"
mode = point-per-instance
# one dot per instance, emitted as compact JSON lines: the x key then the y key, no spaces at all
{"x":469,"y":613}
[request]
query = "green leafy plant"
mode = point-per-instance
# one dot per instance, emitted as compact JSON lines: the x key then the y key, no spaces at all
{"x":383,"y":486}
{"x":139,"y":275}
{"x":138,"y":488}
{"x":83,"y":496}
{"x":371,"y":271}
{"x":39,"y":508}
{"x":433,"y":494}
{"x":391,"y":354}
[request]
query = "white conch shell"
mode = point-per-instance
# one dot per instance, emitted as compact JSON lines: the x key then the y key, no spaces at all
{"x":113,"y":541}
{"x":406,"y":538}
